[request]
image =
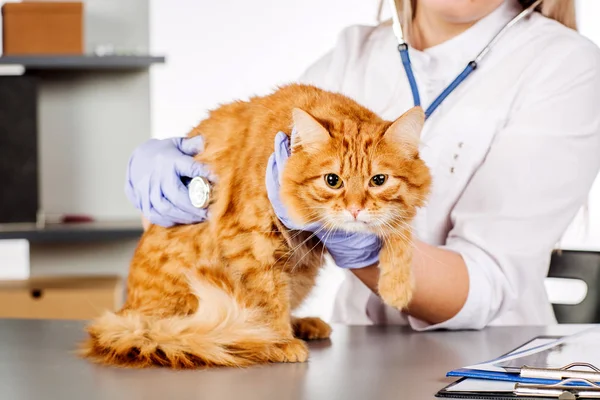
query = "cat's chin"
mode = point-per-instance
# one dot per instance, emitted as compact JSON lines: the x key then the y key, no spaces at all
{"x":356,"y":226}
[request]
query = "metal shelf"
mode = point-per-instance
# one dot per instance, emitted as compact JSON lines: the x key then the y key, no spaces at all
{"x":83,"y":62}
{"x":73,"y":232}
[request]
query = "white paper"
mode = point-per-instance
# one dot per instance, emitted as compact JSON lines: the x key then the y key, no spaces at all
{"x":14,"y":259}
{"x":523,"y":352}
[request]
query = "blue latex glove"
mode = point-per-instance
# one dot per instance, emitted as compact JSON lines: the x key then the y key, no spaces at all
{"x":154,"y":185}
{"x":348,"y":249}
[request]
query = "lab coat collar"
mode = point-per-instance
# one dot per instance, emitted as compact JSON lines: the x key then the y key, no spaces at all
{"x":464,"y":48}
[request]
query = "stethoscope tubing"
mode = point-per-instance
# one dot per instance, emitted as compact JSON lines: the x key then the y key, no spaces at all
{"x":471,"y":66}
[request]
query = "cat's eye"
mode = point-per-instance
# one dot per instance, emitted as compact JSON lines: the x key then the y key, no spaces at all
{"x":333,"y":181}
{"x":378,"y":180}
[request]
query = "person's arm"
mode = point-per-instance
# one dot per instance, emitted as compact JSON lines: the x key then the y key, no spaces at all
{"x":534,"y":179}
{"x":442,"y":282}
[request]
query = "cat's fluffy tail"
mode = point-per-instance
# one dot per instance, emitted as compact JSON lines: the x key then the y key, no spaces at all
{"x":221,"y":333}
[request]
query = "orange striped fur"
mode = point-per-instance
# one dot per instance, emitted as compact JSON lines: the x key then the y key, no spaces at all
{"x":221,"y":293}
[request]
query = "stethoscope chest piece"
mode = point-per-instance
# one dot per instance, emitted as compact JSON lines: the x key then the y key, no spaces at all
{"x":199,"y":192}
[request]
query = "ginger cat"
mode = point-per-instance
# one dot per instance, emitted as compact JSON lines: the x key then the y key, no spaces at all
{"x":221,"y":293}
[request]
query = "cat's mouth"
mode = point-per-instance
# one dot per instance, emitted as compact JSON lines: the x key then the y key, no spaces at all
{"x":367,"y":224}
{"x":346,"y":222}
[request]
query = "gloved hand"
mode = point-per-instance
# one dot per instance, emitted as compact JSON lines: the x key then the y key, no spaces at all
{"x":348,"y":249}
{"x":153,"y":183}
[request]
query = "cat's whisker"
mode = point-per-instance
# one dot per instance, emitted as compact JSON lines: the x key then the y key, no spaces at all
{"x":294,"y":236}
{"x":330,"y":230}
{"x":304,"y":255}
{"x":306,"y":240}
{"x":399,"y":232}
{"x":327,"y":234}
{"x":299,"y":232}
{"x":416,"y":251}
{"x":292,"y":251}
{"x":387,"y":241}
{"x":391,"y":213}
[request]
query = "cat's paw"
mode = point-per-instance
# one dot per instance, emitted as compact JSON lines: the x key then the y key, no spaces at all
{"x":294,"y":350}
{"x":311,"y":328}
{"x":395,"y":292}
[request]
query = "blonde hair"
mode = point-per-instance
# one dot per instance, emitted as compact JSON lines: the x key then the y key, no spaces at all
{"x":562,"y":11}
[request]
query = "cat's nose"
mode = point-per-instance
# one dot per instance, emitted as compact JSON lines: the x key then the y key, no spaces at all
{"x":354,"y":210}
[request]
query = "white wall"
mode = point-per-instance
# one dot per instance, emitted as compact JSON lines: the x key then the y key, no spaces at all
{"x":221,"y":50}
{"x":218,"y":51}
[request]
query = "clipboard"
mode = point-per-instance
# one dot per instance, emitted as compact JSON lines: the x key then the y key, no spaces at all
{"x":542,"y":380}
{"x":550,"y":355}
{"x":569,"y":388}
{"x":480,"y":387}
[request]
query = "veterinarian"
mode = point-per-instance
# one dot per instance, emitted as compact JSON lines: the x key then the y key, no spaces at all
{"x":513,"y":150}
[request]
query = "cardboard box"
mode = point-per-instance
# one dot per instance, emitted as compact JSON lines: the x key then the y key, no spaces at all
{"x":31,"y":28}
{"x":78,"y":298}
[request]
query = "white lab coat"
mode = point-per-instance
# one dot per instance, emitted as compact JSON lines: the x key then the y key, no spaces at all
{"x":513,"y":152}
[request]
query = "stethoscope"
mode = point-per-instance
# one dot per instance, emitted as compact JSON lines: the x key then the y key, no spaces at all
{"x":471,"y":66}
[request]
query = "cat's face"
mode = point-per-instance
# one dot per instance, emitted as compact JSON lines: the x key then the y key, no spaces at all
{"x":360,"y":178}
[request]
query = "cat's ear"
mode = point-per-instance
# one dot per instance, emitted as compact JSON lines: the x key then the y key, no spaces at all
{"x":406,"y":130}
{"x":308,"y":132}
